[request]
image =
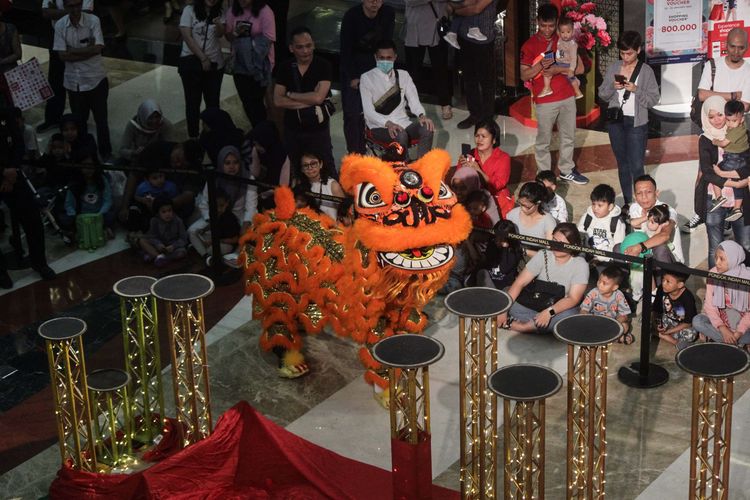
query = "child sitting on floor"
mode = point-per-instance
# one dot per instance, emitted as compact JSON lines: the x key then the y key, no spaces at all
{"x":556,"y":205}
{"x":674,"y":310}
{"x":227,"y":225}
{"x":608,"y":300}
{"x":499,"y":266}
{"x":601,"y":226}
{"x":166,"y":238}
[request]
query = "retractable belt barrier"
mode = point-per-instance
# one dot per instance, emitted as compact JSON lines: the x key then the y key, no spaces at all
{"x":640,"y":374}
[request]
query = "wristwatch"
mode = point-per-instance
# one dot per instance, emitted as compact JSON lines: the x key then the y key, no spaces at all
{"x":551,"y":312}
{"x":644,"y":248}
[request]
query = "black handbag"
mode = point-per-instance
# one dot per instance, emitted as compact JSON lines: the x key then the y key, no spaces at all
{"x":615,"y":115}
{"x":540,"y":294}
{"x":697,"y":105}
{"x":312,"y":116}
{"x":443,"y":24}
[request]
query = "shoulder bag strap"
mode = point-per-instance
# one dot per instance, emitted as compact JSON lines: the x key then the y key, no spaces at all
{"x":434,"y":12}
{"x":713,"y":73}
{"x":633,"y":77}
{"x":546,"y":271}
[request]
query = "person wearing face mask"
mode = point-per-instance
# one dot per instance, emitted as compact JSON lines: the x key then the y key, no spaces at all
{"x":385,"y":93}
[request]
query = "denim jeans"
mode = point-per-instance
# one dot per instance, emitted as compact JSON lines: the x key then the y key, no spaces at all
{"x":405,"y":136}
{"x":629,"y":145}
{"x":715,"y":230}
{"x":732,"y":162}
{"x":703,"y":325}
{"x":523,"y":314}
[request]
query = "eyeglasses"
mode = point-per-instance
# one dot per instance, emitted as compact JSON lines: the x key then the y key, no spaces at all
{"x":312,"y":164}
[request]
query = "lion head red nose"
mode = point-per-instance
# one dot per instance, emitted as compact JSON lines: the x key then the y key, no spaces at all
{"x":427,"y":192}
{"x":402,"y":198}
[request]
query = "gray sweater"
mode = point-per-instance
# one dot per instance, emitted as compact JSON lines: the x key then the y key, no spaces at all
{"x":646,"y":96}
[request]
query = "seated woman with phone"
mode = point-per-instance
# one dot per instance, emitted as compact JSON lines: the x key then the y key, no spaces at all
{"x":491,"y":162}
{"x":630,"y":89}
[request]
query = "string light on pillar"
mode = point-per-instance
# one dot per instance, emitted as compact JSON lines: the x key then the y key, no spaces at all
{"x":183,"y":295}
{"x":477,"y":309}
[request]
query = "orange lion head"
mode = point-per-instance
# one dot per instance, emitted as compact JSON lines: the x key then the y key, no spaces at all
{"x":405,"y":212}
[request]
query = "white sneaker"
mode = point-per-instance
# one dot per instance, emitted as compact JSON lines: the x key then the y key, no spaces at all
{"x":452,"y":40}
{"x":475,"y":34}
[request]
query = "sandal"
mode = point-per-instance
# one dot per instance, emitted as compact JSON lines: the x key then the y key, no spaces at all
{"x":627,"y":338}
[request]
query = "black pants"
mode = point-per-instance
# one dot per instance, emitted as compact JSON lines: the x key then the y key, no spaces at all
{"x":199,"y":85}
{"x":22,"y":206}
{"x":55,"y":107}
{"x":478,"y":64}
{"x":94,"y":101}
{"x":441,"y":73}
{"x":251,"y":94}
{"x":317,"y":141}
{"x":354,"y":119}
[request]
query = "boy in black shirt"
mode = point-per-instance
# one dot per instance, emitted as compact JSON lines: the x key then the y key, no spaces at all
{"x":500,"y":266}
{"x":674,"y":309}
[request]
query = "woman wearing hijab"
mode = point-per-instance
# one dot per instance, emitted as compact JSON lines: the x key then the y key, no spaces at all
{"x":146,"y":127}
{"x":726,"y":309}
{"x":218,"y":131}
{"x":713,"y":122}
{"x":242,"y":198}
{"x":267,"y":158}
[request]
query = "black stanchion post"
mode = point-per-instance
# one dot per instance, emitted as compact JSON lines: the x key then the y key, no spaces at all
{"x":643,"y":374}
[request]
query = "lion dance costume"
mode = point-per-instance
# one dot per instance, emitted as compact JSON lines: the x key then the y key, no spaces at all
{"x":367,"y":281}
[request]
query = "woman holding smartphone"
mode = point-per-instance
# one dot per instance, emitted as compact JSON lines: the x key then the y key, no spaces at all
{"x":251,"y":29}
{"x":629,"y":85}
{"x":491,"y":162}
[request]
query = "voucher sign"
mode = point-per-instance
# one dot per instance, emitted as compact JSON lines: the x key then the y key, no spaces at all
{"x":676,"y":30}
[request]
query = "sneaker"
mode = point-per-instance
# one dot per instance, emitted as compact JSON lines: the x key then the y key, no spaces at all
{"x":468,"y":122}
{"x":579,"y":95}
{"x":692,"y":224}
{"x":727,"y":228}
{"x":161,"y":260}
{"x":452,"y":40}
{"x":475,"y":34}
{"x":575,"y":177}
{"x":734,"y":215}
{"x":545,"y":93}
{"x":717,"y":203}
{"x":147,"y":258}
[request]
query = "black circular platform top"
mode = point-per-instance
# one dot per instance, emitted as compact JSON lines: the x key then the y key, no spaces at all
{"x":408,"y":350}
{"x":588,"y":330}
{"x":713,"y":359}
{"x":525,"y":382}
{"x":478,"y":302}
{"x":182,"y":287}
{"x":134,"y":286}
{"x":108,"y":379}
{"x":62,"y":328}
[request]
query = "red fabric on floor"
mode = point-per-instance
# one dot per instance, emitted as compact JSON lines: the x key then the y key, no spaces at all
{"x":247,"y":457}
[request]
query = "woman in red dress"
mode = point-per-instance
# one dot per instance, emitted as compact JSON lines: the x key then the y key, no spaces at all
{"x":492,"y":163}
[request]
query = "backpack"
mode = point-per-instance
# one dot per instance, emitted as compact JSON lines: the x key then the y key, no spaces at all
{"x":612,"y":224}
{"x":697,"y":104}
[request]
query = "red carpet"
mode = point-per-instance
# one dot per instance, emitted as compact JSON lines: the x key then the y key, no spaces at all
{"x":247,"y":457}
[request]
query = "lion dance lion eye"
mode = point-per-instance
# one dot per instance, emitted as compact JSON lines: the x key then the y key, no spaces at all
{"x":444,"y":192}
{"x":369,"y":197}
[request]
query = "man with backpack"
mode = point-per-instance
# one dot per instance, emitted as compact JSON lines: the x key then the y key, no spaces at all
{"x":728,"y":77}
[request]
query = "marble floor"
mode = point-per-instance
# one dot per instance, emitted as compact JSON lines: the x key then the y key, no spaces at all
{"x":647,"y":431}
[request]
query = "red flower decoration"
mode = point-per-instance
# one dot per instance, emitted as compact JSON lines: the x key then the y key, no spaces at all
{"x":575,"y":16}
{"x":587,"y":8}
{"x":586,"y":40}
{"x":604,"y":38}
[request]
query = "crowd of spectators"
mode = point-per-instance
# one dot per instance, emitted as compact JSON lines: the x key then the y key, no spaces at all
{"x":164,"y":202}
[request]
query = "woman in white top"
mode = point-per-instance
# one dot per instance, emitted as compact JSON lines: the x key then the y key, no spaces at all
{"x":314,"y":179}
{"x":529,"y":216}
{"x":201,"y":63}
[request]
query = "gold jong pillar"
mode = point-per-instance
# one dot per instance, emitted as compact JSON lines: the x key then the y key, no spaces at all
{"x":407,"y":355}
{"x":140,"y":335}
{"x":477,"y":339}
{"x":713,"y":366}
{"x":184,"y":294}
{"x":112,"y":418}
{"x":587,"y":400}
{"x":67,"y":369}
{"x":525,"y":387}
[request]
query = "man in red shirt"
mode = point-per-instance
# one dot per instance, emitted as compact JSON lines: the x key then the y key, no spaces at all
{"x":556,"y":108}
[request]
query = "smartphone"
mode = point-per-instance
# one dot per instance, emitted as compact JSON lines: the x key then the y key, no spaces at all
{"x":550,"y":55}
{"x":465,"y":149}
{"x":621,"y":79}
